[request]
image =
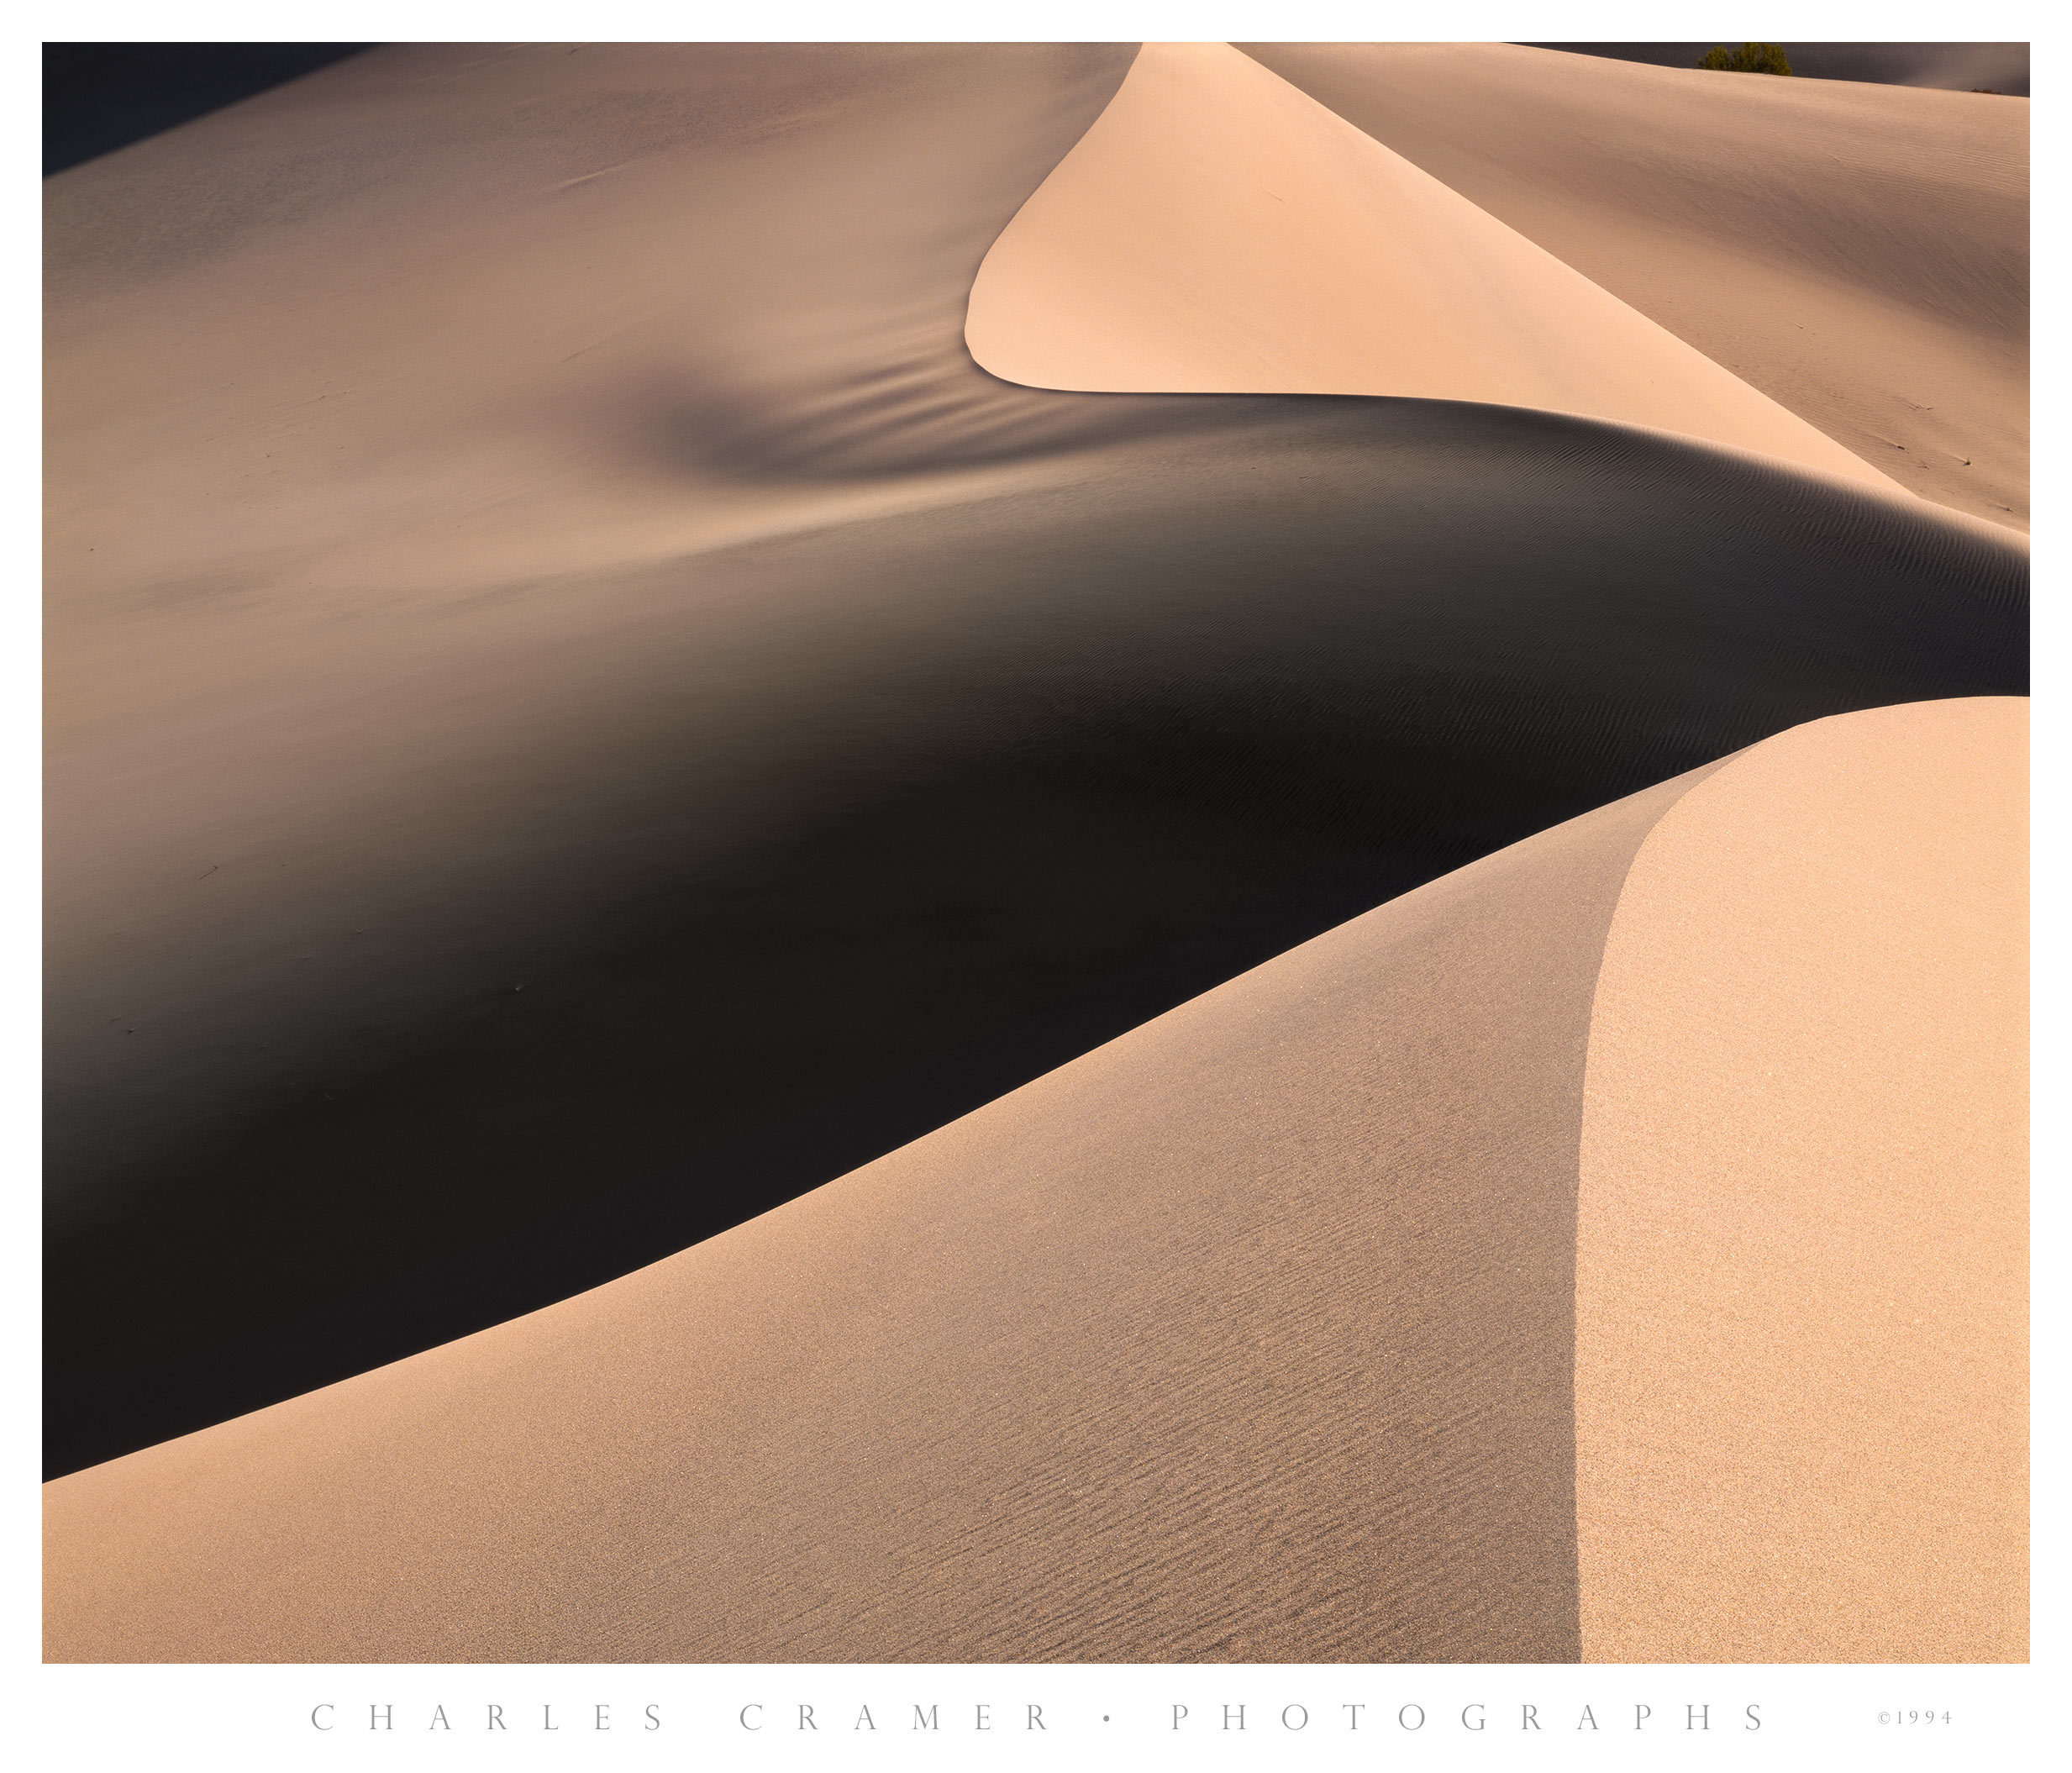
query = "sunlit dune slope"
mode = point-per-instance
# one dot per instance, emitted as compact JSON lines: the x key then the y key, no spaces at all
{"x":1803,"y":1280}
{"x":1245,"y":1337}
{"x":1218,"y":230}
{"x":1264,"y":1332}
{"x":1857,"y":252}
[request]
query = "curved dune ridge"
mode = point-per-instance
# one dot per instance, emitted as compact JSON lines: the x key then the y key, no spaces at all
{"x":721,"y":988}
{"x":1802,"y":1268}
{"x":1219,"y":231}
{"x":598,"y":584}
{"x":1859,"y":253}
{"x":1249,"y":1336}
{"x":1245,"y":1337}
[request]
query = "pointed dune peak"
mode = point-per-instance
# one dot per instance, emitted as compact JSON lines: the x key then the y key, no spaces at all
{"x":1218,"y":231}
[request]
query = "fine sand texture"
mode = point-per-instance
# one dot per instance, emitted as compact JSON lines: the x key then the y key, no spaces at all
{"x":1218,"y":230}
{"x":1859,"y":253}
{"x":1252,"y":1334}
{"x":578,"y":713}
{"x":1246,"y":1337}
{"x":1802,"y":1268}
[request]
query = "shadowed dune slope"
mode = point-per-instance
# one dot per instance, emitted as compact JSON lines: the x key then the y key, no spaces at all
{"x":596,"y":718}
{"x":1252,"y":1335}
{"x":1956,"y":66}
{"x":800,"y":849}
{"x":1802,"y":1278}
{"x":1857,"y":253}
{"x":100,"y":97}
{"x":1245,"y":1337}
{"x":1219,"y":231}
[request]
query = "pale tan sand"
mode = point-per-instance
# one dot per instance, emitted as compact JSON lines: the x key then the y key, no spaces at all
{"x":1219,"y":231}
{"x":1801,"y":1277}
{"x":456,"y":313}
{"x":1245,"y":1337}
{"x":1859,"y":253}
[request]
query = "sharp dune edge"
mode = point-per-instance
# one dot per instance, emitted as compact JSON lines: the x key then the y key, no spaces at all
{"x":616,"y":634}
{"x":1246,"y":1337}
{"x":1859,"y":253}
{"x":1802,"y":1272}
{"x":1302,"y":1251}
{"x":1218,"y":231}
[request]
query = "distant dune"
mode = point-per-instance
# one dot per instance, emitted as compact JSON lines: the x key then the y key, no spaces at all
{"x":1858,"y":253}
{"x":1218,"y":231}
{"x":1958,"y":67}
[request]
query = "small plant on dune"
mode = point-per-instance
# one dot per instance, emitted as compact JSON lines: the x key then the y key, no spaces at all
{"x":1751,"y":58}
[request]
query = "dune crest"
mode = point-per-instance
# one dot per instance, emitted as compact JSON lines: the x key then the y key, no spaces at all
{"x":1858,"y":253}
{"x":1612,"y":1250}
{"x":1801,"y":1256}
{"x":1218,"y":231}
{"x":1244,"y":1338}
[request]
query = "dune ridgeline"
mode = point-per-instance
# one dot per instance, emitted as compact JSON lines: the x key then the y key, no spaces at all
{"x":1039,"y":853}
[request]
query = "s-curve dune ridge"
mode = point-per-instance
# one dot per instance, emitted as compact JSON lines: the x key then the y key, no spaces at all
{"x":1245,"y":1337}
{"x":1217,"y":230}
{"x":578,"y":714}
{"x":1611,"y":1250}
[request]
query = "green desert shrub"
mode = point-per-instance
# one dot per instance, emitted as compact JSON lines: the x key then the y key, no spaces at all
{"x":1751,"y":58}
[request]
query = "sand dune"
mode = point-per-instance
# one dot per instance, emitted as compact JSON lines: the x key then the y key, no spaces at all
{"x":1249,"y":1336}
{"x":1241,"y":724}
{"x":1218,"y":231}
{"x":1802,"y":1268}
{"x":578,"y":713}
{"x":1028,"y":1025}
{"x":1858,"y":253}
{"x":370,"y":404}
{"x":1246,"y":1337}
